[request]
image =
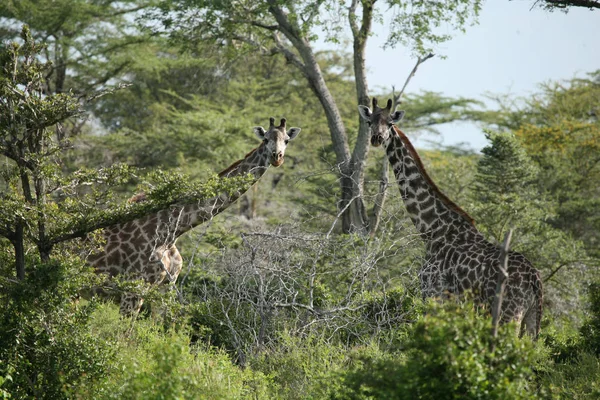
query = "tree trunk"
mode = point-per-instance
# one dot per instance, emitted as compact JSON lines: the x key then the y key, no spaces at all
{"x":351,"y":204}
{"x":361,"y":149}
{"x":18,"y":244}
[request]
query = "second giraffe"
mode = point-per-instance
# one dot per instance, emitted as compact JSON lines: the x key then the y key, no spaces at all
{"x":458,"y":257}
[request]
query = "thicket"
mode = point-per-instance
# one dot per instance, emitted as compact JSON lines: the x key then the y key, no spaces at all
{"x":275,"y":302}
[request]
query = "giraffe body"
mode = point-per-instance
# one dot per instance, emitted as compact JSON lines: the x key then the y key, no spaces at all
{"x":458,"y":258}
{"x":145,"y":248}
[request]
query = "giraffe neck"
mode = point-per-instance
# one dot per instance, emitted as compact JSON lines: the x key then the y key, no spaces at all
{"x":433,"y":214}
{"x":167,"y":225}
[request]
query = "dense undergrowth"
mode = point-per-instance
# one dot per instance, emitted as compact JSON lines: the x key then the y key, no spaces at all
{"x":52,"y":347}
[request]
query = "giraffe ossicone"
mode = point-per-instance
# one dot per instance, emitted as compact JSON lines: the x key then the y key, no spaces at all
{"x":458,"y":258}
{"x":145,"y":247}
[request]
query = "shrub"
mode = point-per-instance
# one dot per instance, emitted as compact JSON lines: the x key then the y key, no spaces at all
{"x":302,"y":368}
{"x":154,"y":363}
{"x":576,"y":379}
{"x":591,"y":328}
{"x":46,"y":350}
{"x":447,"y":356}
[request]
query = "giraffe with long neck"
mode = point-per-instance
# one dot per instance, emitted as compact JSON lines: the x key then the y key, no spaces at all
{"x":458,"y":257}
{"x":145,"y":248}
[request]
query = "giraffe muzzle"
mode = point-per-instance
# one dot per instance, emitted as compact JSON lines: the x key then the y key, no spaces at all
{"x":277,"y":159}
{"x":376,"y":140}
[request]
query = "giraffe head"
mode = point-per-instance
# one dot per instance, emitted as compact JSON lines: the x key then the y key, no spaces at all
{"x":380,"y":120}
{"x":276,"y":140}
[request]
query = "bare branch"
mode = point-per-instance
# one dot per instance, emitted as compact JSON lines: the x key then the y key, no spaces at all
{"x":502,"y":278}
{"x":554,"y":272}
{"x":420,"y":60}
{"x":379,"y":198}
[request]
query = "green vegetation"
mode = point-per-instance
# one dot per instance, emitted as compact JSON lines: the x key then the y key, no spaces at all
{"x":276,"y":299}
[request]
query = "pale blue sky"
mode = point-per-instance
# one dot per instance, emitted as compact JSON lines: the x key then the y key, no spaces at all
{"x":511,"y":50}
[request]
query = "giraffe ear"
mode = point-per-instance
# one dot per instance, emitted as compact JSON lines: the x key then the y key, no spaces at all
{"x":260,"y":132}
{"x":293,"y":132}
{"x":397,"y":116}
{"x":365,"y":112}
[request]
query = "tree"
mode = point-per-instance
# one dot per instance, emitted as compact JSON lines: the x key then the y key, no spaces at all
{"x":507,"y":194}
{"x":552,"y":5}
{"x":42,"y":206}
{"x":559,"y":129}
{"x":288,"y":28}
{"x":26,"y":141}
{"x":90,"y":44}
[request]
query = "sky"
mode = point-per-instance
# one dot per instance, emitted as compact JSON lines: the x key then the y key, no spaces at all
{"x":512,"y":50}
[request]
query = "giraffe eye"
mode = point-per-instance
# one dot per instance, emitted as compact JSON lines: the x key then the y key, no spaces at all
{"x":287,"y":141}
{"x":369,"y":123}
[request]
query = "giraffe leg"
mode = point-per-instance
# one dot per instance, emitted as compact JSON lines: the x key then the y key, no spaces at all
{"x":130,"y":304}
{"x":530,"y":323}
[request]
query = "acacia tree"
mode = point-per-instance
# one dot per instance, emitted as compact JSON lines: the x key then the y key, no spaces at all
{"x":25,"y":140}
{"x":559,"y":129}
{"x":288,"y":28}
{"x":90,"y":44}
{"x":42,"y":206}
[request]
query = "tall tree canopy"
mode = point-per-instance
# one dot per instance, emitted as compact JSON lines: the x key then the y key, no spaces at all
{"x":289,"y":28}
{"x":89,"y":43}
{"x":566,"y":4}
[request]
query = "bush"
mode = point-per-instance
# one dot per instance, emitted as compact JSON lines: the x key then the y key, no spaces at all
{"x":46,"y":350}
{"x":154,"y":363}
{"x":302,"y":368}
{"x":576,"y":379}
{"x":447,"y":356}
{"x":575,"y":371}
{"x":591,"y":329}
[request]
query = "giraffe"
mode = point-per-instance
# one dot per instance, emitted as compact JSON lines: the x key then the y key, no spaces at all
{"x":145,"y":248}
{"x":458,"y":257}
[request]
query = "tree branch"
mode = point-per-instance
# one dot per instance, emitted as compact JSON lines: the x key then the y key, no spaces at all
{"x":572,"y":3}
{"x":500,"y":285}
{"x":420,"y":61}
{"x":289,"y":55}
{"x":379,"y":201}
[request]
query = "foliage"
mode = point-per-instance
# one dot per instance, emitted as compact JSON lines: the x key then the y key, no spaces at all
{"x":565,"y":5}
{"x":416,"y":23}
{"x":289,"y":29}
{"x":591,"y":329}
{"x":447,"y":356}
{"x":577,"y":379}
{"x":302,"y":368}
{"x":575,"y":372}
{"x":152,"y":363}
{"x":43,"y":206}
{"x":506,"y":195}
{"x":45,"y":346}
{"x":266,"y":310}
{"x":505,"y":186}
{"x":331,"y":287}
{"x":27,"y":144}
{"x":90,"y":43}
{"x":560,"y":131}
{"x":454,"y":170}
